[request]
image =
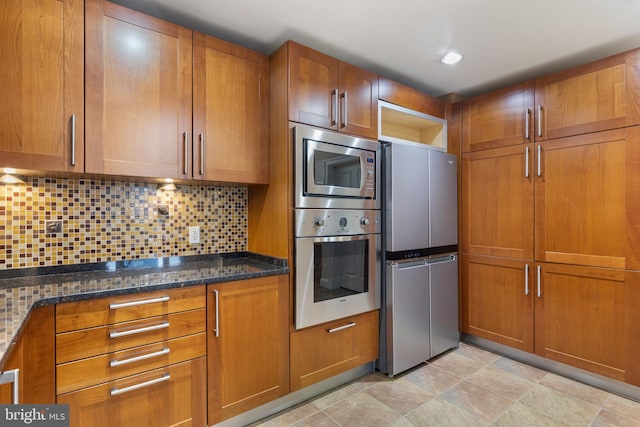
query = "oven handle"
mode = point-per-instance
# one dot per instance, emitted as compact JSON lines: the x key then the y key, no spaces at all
{"x":341,"y":238}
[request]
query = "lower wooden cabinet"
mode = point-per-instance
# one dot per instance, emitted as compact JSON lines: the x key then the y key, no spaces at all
{"x":586,"y":317}
{"x":34,"y":356}
{"x":170,"y":396}
{"x":247,"y":342}
{"x":497,"y":300}
{"x":320,"y":352}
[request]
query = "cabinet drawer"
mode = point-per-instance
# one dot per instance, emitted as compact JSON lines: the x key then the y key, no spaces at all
{"x":95,"y":370}
{"x":104,"y":311}
{"x":326,"y":350}
{"x":121,"y":336}
{"x":175,"y":395}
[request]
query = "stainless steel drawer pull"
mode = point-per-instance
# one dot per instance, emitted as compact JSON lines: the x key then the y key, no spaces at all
{"x":12,"y":376}
{"x":539,"y":120}
{"x":162,"y":352}
{"x":217,"y":328}
{"x":539,"y":279}
{"x":141,"y":302}
{"x":340,"y":328}
{"x":526,"y":279}
{"x":117,"y":334}
{"x":73,"y":140}
{"x":334,"y":113}
{"x":526,"y":123}
{"x":116,"y":391}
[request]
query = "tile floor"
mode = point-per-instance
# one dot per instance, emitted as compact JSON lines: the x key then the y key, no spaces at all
{"x":465,"y":387}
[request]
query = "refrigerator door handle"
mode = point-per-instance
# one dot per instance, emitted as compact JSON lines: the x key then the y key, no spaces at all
{"x":441,"y":260}
{"x":410,"y":265}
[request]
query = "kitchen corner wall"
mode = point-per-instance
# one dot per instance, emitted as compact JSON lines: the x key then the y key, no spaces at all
{"x":107,"y":220}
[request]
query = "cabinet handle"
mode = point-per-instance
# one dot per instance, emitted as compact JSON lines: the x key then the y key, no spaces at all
{"x":73,"y":140}
{"x":539,"y":160}
{"x":526,"y":124}
{"x":113,"y":363}
{"x":12,"y":376}
{"x":344,"y":110}
{"x":539,"y":274}
{"x":340,"y":328}
{"x":539,"y":120}
{"x":216,"y":330}
{"x":185,"y":139}
{"x":201,"y":154}
{"x":117,"y":334}
{"x":116,"y":391}
{"x":141,"y":302}
{"x":334,"y":102}
{"x":526,"y":162}
{"x":526,"y":279}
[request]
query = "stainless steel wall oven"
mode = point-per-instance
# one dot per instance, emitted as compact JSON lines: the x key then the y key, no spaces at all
{"x":338,"y":248}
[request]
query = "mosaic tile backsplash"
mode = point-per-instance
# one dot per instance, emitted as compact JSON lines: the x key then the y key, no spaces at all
{"x":106,"y":220}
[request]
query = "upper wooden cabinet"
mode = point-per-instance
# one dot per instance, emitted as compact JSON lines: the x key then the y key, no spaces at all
{"x":41,"y":81}
{"x":586,"y":199}
{"x":497,"y":202}
{"x":408,"y":97}
{"x":138,"y":93}
{"x":332,"y":94}
{"x":598,"y":96}
{"x":230,"y":112}
{"x":498,"y":119}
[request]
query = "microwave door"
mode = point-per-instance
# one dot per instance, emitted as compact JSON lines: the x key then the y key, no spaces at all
{"x":333,"y":171}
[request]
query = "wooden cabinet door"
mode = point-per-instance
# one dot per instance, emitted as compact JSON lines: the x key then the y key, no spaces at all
{"x":231,"y":112}
{"x":326,"y":350}
{"x":497,"y":119}
{"x":138,"y":93}
{"x":598,"y":96}
{"x":248,"y":342}
{"x":582,"y":317}
{"x":587,"y":202}
{"x":497,"y":300}
{"x":497,"y":202}
{"x":358,"y":90}
{"x":41,"y":81}
{"x":313,"y":87}
{"x":170,"y":396}
{"x":408,"y":97}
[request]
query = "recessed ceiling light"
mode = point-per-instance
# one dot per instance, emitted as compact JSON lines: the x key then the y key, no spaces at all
{"x":451,"y":58}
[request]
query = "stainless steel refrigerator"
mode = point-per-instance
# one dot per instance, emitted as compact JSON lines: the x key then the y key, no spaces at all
{"x":420,"y":289}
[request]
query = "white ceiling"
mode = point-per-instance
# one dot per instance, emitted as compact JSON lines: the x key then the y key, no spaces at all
{"x":503,"y":41}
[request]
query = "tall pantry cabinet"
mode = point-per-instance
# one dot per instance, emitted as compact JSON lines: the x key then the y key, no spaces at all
{"x":551,"y":223}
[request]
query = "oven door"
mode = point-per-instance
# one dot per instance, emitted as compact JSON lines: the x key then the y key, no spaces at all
{"x":336,"y":277}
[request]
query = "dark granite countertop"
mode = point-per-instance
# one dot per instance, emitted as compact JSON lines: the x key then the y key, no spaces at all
{"x":22,"y":289}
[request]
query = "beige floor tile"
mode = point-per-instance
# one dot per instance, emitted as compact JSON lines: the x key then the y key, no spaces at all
{"x":401,"y":395}
{"x":362,"y":410}
{"x":372,"y":379}
{"x":575,"y":389}
{"x":431,"y":378}
{"x":522,"y":416}
{"x":402,"y":422}
{"x":501,"y":382}
{"x":477,"y":400}
{"x":318,"y":420}
{"x":439,"y":412}
{"x":290,"y":416}
{"x":621,"y":406}
{"x":520,"y":369}
{"x":559,"y":406}
{"x":327,"y":399}
{"x":476,"y":353}
{"x":609,"y":419}
{"x":457,"y":364}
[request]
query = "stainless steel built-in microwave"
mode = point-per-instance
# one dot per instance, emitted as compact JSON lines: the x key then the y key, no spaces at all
{"x":333,"y":170}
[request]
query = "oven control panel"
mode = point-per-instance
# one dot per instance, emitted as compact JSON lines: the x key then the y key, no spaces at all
{"x":335,"y":222}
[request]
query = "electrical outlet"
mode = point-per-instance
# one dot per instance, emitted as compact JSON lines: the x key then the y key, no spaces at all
{"x":194,"y":234}
{"x":53,"y":227}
